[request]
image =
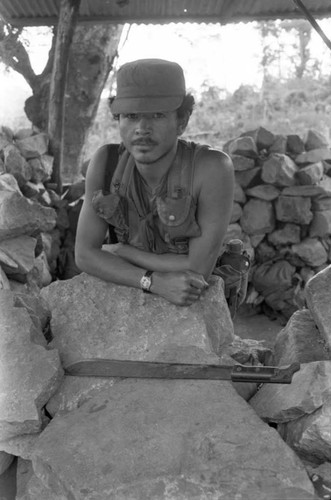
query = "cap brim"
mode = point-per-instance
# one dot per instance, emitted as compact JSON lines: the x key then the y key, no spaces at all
{"x":145,"y":104}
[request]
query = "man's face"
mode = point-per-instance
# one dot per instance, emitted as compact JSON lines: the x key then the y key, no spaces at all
{"x":149,"y":136}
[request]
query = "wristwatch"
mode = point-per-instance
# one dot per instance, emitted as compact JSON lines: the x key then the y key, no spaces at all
{"x":146,"y":282}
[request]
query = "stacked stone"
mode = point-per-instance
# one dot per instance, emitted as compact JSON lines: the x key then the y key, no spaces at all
{"x":302,"y":410}
{"x":32,"y":217}
{"x":282,"y":211}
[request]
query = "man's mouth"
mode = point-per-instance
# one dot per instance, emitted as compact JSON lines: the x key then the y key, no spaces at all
{"x":144,"y":143}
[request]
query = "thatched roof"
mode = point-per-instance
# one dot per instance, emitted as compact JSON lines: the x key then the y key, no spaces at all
{"x":45,"y":12}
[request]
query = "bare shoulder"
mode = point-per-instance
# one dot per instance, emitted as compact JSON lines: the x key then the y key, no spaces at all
{"x":213,"y":165}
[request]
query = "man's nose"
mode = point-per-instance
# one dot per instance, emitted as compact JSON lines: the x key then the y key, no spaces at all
{"x":144,"y":125}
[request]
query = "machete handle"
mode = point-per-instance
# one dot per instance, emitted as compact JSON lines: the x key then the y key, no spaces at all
{"x":263,"y":374}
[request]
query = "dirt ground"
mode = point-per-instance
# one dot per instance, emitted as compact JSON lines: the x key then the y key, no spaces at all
{"x":249,"y":325}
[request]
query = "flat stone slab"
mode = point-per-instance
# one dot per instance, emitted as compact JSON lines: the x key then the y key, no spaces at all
{"x":29,"y":374}
{"x":92,"y":318}
{"x":169,"y":439}
{"x":95,"y":319}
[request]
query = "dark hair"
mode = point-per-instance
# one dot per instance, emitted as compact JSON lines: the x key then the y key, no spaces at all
{"x":186,"y":106}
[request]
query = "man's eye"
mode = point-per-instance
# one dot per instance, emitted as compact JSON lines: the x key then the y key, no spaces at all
{"x":131,"y":116}
{"x":158,"y":115}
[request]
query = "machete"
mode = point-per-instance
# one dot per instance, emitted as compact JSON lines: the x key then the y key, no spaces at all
{"x":98,"y":367}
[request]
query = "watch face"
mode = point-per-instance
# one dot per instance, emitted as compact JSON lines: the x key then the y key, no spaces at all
{"x":146,"y":282}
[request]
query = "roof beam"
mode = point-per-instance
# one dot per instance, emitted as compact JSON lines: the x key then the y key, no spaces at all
{"x":313,"y":22}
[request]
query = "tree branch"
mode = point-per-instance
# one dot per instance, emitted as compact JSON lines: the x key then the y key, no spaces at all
{"x":14,"y":54}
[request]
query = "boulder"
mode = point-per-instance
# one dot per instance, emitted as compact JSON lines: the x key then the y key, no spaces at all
{"x":41,"y":168}
{"x":296,"y":209}
{"x":124,"y":323}
{"x":310,"y":435}
{"x":309,"y":390}
{"x":300,"y":341}
{"x":257,"y":217}
{"x":311,"y":174}
{"x":265,"y":192}
{"x":33,"y":146}
{"x":295,"y":144}
{"x":242,"y":162}
{"x":321,"y":223}
{"x":279,"y":145}
{"x":318,"y":297}
{"x":288,"y":234}
{"x":313,"y":156}
{"x":248,"y":178}
{"x":238,"y":196}
{"x":5,"y":461}
{"x":18,"y":216}
{"x":279,"y":170}
{"x":262,"y":137}
{"x":311,"y":251}
{"x":314,"y":139}
{"x":29,"y":373}
{"x":244,"y":146}
{"x":165,"y":439}
{"x":17,"y":256}
{"x":16,"y":165}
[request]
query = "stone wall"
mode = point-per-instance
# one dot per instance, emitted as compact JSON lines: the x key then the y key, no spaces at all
{"x":282,"y":211}
{"x":35,"y":225}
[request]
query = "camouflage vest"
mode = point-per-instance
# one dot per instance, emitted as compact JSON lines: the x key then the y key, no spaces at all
{"x":161,"y":223}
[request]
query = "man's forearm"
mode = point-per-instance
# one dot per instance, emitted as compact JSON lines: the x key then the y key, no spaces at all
{"x":166,"y":262}
{"x":109,"y":267}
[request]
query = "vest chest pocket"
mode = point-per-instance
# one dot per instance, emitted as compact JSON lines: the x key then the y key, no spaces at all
{"x":178,"y":217}
{"x":110,"y":208}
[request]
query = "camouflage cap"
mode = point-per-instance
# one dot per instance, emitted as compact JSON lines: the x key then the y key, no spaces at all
{"x":149,"y":85}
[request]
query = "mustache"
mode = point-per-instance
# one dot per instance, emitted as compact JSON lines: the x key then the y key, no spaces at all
{"x":144,"y":142}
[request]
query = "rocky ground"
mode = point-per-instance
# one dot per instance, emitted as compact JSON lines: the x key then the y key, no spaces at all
{"x":247,"y":324}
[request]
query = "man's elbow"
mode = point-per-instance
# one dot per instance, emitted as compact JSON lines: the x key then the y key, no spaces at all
{"x":81,"y":258}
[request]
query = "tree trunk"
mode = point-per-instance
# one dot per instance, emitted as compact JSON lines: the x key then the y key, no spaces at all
{"x":89,"y":68}
{"x":65,"y":30}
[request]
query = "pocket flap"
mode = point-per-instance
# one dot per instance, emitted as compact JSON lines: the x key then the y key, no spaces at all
{"x":105,"y":205}
{"x":173,"y":211}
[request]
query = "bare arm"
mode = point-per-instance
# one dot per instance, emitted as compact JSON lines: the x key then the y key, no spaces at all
{"x":214,"y":185}
{"x":180,"y":288}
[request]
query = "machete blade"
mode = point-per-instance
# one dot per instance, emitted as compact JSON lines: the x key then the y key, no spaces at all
{"x":98,"y":367}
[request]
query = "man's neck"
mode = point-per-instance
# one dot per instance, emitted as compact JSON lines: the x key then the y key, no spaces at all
{"x":154,"y":172}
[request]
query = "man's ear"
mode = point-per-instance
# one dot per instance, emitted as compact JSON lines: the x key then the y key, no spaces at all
{"x":182,"y":123}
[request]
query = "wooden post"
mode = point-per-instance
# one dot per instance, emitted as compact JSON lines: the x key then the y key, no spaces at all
{"x":65,"y":30}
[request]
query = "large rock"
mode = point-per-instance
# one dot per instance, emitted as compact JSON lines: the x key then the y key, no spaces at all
{"x":296,"y":209}
{"x":310,"y":435}
{"x":175,"y":439}
{"x":29,"y":374}
{"x":279,"y":170}
{"x":300,"y":341}
{"x":95,"y":319}
{"x":17,"y":256}
{"x":33,"y":146}
{"x":18,"y":216}
{"x":92,"y":318}
{"x":257,"y":217}
{"x":309,"y":390}
{"x":311,"y":251}
{"x":318,"y":297}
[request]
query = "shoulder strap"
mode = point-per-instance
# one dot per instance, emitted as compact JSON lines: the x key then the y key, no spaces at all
{"x":112,"y":160}
{"x":180,"y":178}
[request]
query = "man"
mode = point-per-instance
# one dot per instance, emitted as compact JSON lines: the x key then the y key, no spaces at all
{"x":170,"y":201}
